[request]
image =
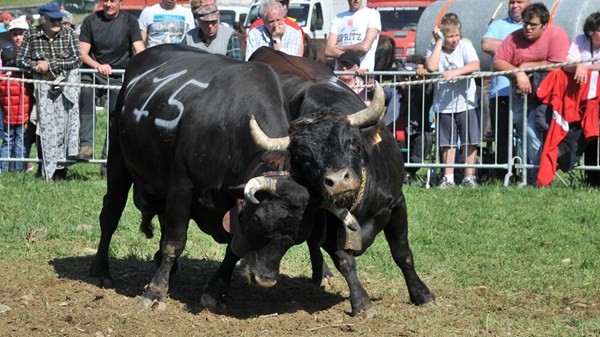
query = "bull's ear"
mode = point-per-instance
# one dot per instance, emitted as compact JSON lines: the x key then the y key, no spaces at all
{"x":373,"y":133}
{"x":277,"y":160}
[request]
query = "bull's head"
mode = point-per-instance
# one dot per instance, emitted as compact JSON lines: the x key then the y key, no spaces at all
{"x":328,"y":149}
{"x":271,"y":224}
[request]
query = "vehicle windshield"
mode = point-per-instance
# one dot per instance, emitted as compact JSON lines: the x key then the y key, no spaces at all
{"x":299,"y":12}
{"x":227,"y":17}
{"x":394,"y":18}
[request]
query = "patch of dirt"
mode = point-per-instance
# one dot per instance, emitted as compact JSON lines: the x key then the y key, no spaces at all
{"x":55,"y":299}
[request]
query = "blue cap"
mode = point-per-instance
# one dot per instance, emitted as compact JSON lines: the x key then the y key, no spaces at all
{"x":51,"y":10}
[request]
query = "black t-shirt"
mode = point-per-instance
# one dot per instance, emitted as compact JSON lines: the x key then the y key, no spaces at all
{"x":111,"y":40}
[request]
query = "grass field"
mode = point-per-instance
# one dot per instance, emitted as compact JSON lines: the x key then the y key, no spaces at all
{"x":502,"y":261}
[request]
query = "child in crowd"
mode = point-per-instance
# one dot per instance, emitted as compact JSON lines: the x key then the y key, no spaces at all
{"x":455,"y":101}
{"x":16,"y":101}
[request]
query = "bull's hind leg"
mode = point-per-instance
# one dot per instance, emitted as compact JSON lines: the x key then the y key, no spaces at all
{"x":396,"y":233}
{"x":115,"y":199}
{"x":214,"y":294}
{"x":174,"y":237}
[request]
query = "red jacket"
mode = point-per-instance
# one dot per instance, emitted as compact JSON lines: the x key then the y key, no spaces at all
{"x":16,"y":99}
{"x":570,"y":103}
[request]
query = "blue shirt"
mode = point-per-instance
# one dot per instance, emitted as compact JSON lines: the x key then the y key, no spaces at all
{"x":499,"y":30}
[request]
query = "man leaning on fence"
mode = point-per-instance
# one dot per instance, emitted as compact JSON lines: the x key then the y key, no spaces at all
{"x":52,"y":53}
{"x":538,"y":43}
{"x":500,"y":85}
{"x":108,"y":40}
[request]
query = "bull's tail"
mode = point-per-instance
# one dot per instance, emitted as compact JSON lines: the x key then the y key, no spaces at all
{"x":146,"y":226}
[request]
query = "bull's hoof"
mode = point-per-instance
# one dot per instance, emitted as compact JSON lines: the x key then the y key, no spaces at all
{"x":423,"y":297}
{"x":101,"y":281}
{"x":149,"y":297}
{"x":368,"y":312}
{"x":212,"y":304}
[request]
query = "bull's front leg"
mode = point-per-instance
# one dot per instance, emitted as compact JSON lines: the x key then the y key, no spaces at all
{"x":396,"y":233}
{"x":359,"y":299}
{"x":173,"y":242}
{"x":214,"y":294}
{"x":320,"y":271}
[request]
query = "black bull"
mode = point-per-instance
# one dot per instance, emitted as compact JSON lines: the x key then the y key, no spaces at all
{"x":181,"y":135}
{"x":376,"y":166}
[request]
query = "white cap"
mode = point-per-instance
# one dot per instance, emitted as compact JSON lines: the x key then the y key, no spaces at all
{"x":18,"y":24}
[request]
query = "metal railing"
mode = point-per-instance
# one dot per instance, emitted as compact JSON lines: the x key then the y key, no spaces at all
{"x":405,"y":84}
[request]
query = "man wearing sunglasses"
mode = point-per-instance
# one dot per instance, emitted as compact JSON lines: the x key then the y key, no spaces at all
{"x":538,"y":43}
{"x":52,"y":53}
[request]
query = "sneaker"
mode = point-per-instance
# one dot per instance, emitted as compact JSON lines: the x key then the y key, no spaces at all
{"x":445,"y":184}
{"x":469,"y":182}
{"x":85,"y":153}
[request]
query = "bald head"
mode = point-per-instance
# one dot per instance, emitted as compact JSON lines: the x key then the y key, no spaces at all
{"x":515,"y":9}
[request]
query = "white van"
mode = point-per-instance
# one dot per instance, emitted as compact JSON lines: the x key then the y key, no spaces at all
{"x":314,"y":16}
{"x":233,"y":15}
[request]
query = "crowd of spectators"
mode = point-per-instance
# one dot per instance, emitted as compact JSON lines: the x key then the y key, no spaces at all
{"x":61,"y":119}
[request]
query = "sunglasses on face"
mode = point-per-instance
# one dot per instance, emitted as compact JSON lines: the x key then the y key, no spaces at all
{"x":531,"y":24}
{"x":59,"y":20}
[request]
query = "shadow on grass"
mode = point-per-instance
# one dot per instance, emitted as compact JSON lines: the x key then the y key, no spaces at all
{"x":130,"y":274}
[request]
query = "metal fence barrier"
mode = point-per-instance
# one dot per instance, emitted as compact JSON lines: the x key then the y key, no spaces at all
{"x":413,"y":130}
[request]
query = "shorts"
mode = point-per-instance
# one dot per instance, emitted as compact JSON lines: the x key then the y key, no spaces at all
{"x":459,"y":128}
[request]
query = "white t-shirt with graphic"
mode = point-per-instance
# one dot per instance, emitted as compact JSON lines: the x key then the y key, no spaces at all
{"x":351,"y":28}
{"x":165,"y":26}
{"x":455,"y":96}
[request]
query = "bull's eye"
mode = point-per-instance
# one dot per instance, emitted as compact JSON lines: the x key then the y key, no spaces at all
{"x":353,"y":145}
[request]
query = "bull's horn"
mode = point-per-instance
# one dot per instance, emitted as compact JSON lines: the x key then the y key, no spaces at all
{"x":351,"y":236}
{"x":263,"y":141}
{"x":259,"y":184}
{"x":372,"y":113}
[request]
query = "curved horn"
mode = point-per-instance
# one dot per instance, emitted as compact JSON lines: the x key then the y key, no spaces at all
{"x":263,"y":141}
{"x":259,"y":184}
{"x":351,"y":237}
{"x":373,"y":112}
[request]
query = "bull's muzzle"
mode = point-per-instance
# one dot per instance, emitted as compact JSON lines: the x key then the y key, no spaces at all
{"x":341,"y":182}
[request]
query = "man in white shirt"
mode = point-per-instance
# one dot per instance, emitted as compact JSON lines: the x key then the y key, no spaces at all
{"x":356,"y":30}
{"x":165,"y":22}
{"x":274,"y":33}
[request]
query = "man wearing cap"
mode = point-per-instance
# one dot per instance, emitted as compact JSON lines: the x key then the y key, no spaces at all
{"x":51,"y":52}
{"x":275,"y":33}
{"x":108,"y":40}
{"x":6,"y":19}
{"x":195,"y":4}
{"x":349,"y":61}
{"x":212,"y":36}
{"x":165,"y":22}
{"x":356,"y":30}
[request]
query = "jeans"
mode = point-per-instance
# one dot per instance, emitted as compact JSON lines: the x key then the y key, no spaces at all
{"x":12,"y":147}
